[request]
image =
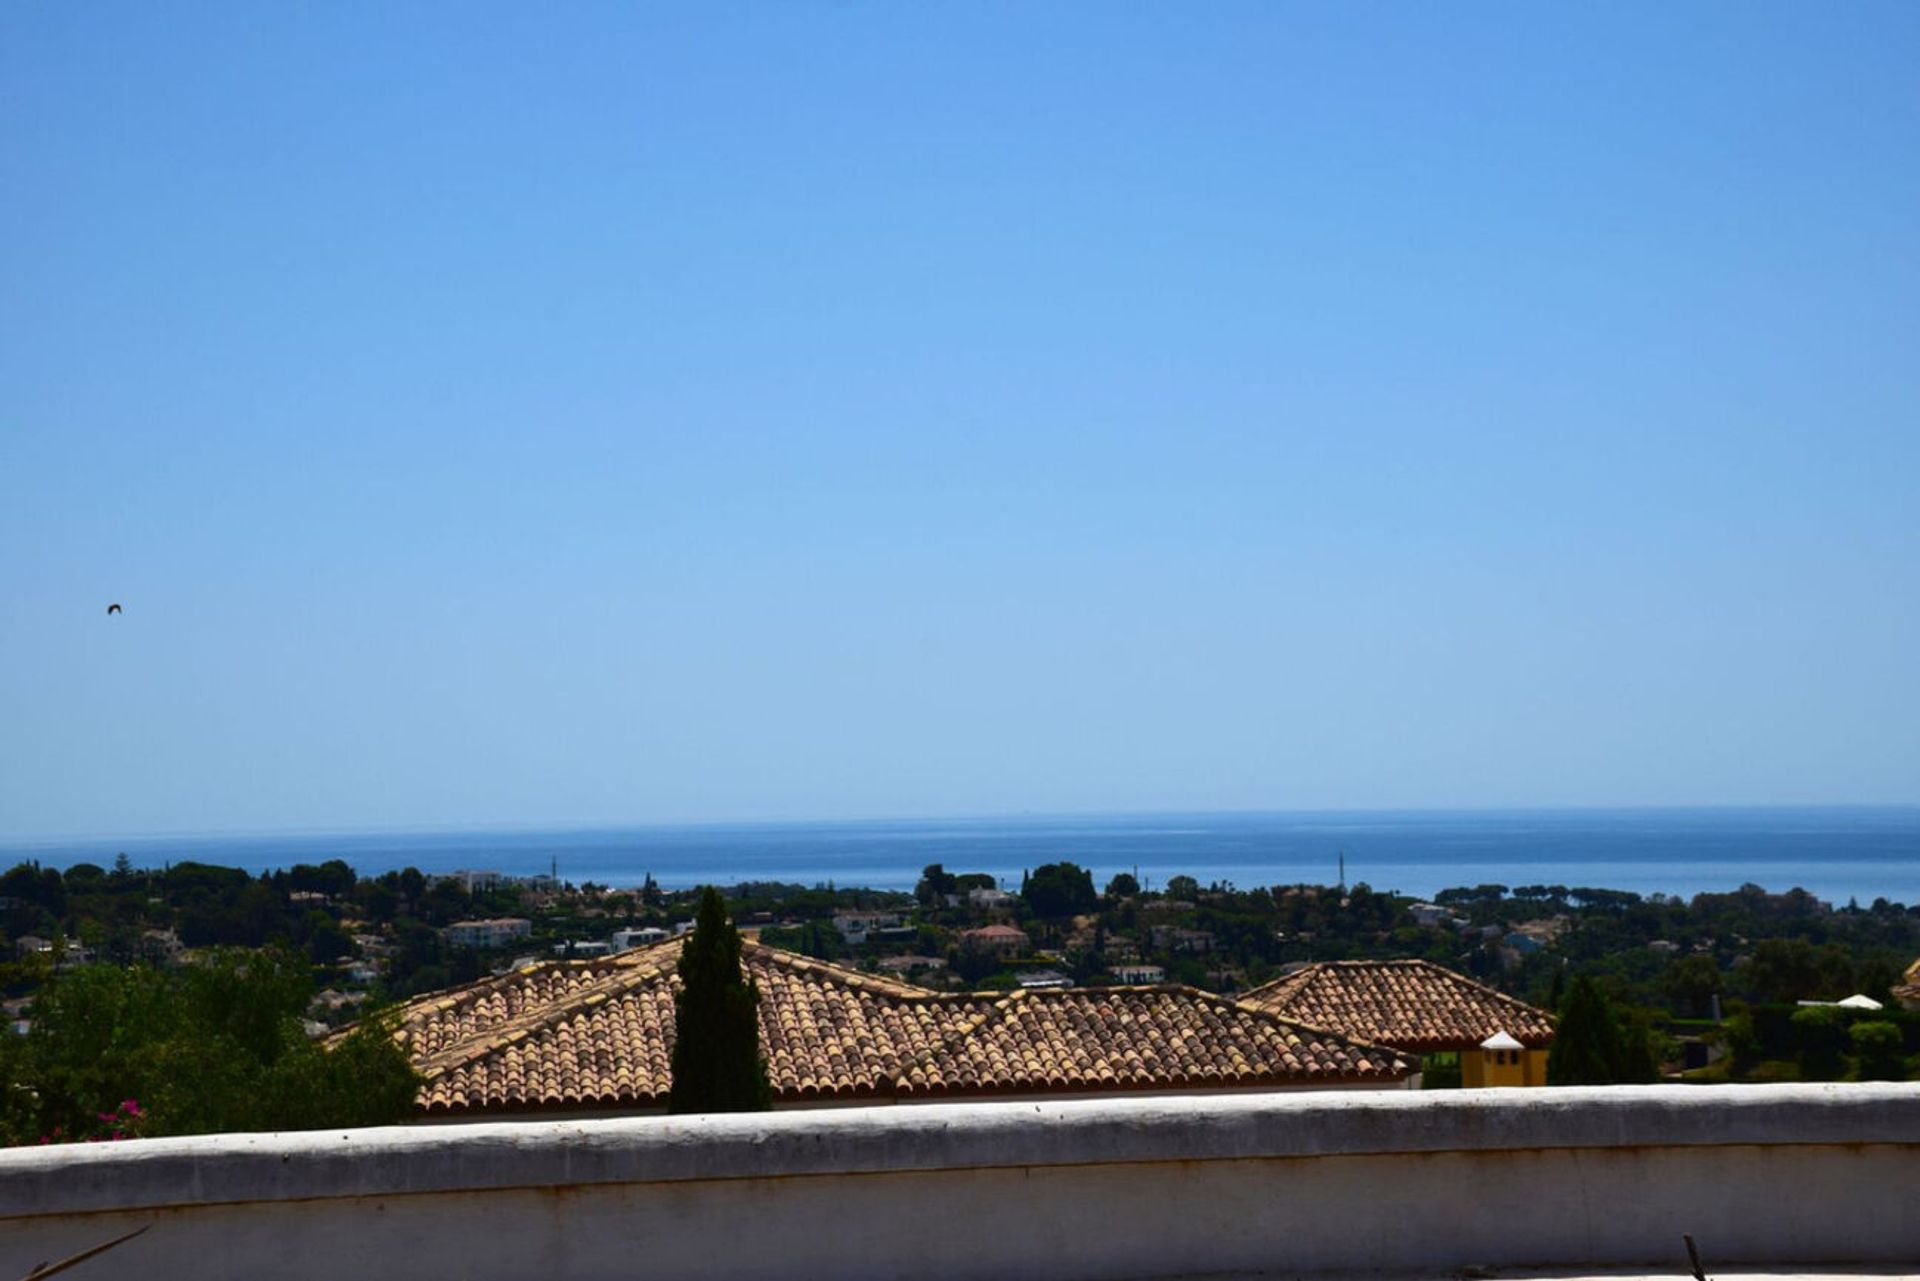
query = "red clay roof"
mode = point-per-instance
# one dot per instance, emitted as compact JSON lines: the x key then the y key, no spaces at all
{"x":599,"y":1033}
{"x":995,"y":932}
{"x":1415,"y":1006}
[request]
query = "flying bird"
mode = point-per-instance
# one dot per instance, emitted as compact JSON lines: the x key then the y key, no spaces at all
{"x":113,"y":609}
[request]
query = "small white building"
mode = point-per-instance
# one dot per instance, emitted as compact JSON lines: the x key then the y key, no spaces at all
{"x":497,"y":932}
{"x":1858,"y":1001}
{"x":907,"y":964}
{"x":1044,"y":981}
{"x":1138,"y":974}
{"x":638,"y":936}
{"x":858,"y":927}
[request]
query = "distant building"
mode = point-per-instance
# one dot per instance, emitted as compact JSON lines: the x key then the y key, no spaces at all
{"x":638,"y":937}
{"x":1908,"y":993}
{"x":582,"y":949}
{"x":996,"y":940}
{"x":1429,"y":914}
{"x":1174,"y":938}
{"x":1419,"y":1008}
{"x":497,"y":932}
{"x":908,"y":964}
{"x":1858,"y":1001}
{"x":858,"y":927}
{"x":1043,"y":981}
{"x":1138,"y":974}
{"x":988,"y":897}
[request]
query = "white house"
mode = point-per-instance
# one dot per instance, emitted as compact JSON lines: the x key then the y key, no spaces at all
{"x":497,"y":932}
{"x":1137,"y":974}
{"x":858,"y":927}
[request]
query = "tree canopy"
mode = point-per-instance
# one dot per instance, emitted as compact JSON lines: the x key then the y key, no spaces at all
{"x":216,"y":1046}
{"x":1593,"y":1046}
{"x":1060,"y":889}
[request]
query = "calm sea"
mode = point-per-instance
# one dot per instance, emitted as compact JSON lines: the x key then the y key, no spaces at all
{"x":1836,"y":853}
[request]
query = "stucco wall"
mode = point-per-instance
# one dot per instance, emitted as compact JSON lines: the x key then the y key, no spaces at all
{"x":1285,"y":1183}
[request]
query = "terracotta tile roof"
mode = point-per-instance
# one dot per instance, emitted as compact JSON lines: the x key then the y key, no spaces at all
{"x":1908,"y":993}
{"x":1415,"y":1006}
{"x":586,"y":1034}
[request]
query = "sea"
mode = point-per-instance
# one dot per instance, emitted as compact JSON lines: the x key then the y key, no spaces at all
{"x":1835,"y":853}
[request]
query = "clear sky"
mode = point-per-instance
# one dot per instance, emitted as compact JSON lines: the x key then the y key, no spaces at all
{"x":507,"y":414}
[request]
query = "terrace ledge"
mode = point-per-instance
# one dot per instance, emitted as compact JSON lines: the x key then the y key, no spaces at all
{"x":465,"y":1158}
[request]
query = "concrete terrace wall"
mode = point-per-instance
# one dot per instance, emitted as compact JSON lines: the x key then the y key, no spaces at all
{"x":1284,"y":1183}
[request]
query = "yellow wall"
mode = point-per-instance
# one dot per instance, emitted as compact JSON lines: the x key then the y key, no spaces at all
{"x":1516,"y":1067}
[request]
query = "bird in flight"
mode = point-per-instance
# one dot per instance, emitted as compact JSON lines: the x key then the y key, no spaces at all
{"x":113,"y":609}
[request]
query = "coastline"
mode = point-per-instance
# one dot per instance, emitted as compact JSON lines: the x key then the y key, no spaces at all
{"x":1833,"y":852}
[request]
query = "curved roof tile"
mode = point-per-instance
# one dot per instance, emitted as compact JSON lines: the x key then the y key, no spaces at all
{"x":599,"y":1033}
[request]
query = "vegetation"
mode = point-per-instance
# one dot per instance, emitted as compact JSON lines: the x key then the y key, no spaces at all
{"x":717,"y":1064}
{"x":116,"y":1051}
{"x":1593,"y":1046}
{"x":1717,"y":974}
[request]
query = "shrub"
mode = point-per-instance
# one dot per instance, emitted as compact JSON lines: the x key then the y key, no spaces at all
{"x":1877,"y":1052}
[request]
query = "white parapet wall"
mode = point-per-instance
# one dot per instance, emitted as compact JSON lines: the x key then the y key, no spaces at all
{"x":1279,"y":1184}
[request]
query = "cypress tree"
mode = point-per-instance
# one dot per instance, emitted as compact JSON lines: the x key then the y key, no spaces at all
{"x":1591,"y":1046}
{"x":717,"y":1065}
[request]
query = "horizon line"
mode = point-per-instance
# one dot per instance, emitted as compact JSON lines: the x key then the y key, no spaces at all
{"x":531,"y":828}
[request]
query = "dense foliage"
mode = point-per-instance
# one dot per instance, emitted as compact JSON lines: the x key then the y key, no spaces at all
{"x":1592,"y":1046}
{"x":717,"y":1064}
{"x":217,"y":1046}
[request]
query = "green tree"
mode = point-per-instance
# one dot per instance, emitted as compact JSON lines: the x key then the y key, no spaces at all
{"x":211,"y":1047}
{"x":1820,"y":1033}
{"x":1783,"y":971}
{"x":1877,"y":1051}
{"x":1060,"y":889}
{"x":717,"y":1064}
{"x":935,"y":883}
{"x":1123,"y":885}
{"x":1690,"y":983}
{"x":1592,"y":1045}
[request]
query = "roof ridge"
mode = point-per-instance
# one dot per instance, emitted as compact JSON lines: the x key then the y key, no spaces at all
{"x":1422,"y":963}
{"x":1284,"y":1020}
{"x":508,"y":1031}
{"x":1494,"y":992}
{"x":836,"y":972}
{"x":1271,"y":984}
{"x":994,"y":1006}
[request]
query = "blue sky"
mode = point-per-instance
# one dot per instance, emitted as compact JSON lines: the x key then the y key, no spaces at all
{"x":627,"y":413}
